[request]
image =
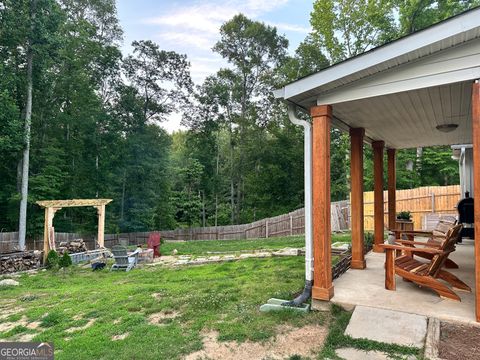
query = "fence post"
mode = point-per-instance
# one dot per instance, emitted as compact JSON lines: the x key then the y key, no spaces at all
{"x":266,"y":228}
{"x":291,"y":224}
{"x":433,"y":202}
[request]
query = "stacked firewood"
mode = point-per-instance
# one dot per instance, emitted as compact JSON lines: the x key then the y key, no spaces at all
{"x":20,"y":261}
{"x":72,"y":247}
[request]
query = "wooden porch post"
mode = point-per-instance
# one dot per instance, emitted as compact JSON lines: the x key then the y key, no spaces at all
{"x":476,"y":187}
{"x":101,"y":226}
{"x":356,"y":197}
{"x":392,"y":188}
{"x":379,"y":222}
{"x":322,"y":276}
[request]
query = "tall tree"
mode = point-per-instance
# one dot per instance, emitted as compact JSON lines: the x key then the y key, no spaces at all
{"x":416,"y":15}
{"x":345,"y":28}
{"x":254,"y":50}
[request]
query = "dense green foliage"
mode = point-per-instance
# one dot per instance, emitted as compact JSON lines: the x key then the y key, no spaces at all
{"x":53,"y":260}
{"x":65,"y":260}
{"x":96,"y":124}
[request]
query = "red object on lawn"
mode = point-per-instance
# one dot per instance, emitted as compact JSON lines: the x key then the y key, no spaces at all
{"x":154,"y":243}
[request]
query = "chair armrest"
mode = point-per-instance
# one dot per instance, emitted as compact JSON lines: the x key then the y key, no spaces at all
{"x":417,"y":243}
{"x":411,"y":249}
{"x":414,"y":232}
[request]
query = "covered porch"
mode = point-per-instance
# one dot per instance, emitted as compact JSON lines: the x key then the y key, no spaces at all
{"x":366,"y":287}
{"x":421,"y":90}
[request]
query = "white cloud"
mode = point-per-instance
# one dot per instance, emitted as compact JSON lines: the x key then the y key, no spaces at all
{"x":291,"y":27}
{"x":186,"y":39}
{"x":198,"y":24}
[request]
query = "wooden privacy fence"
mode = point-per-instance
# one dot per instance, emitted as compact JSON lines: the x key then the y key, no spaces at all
{"x":424,"y":203}
{"x":421,"y":202}
{"x":292,"y":223}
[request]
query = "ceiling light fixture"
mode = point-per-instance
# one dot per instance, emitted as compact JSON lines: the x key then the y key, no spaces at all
{"x":446,"y":128}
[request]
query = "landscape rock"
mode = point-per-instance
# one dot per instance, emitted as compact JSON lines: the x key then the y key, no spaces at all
{"x":9,"y":282}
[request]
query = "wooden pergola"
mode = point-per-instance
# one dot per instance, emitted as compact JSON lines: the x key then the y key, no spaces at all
{"x":421,"y":90}
{"x":52,"y":206}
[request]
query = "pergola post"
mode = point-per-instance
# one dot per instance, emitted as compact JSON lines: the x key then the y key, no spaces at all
{"x":101,"y":226}
{"x":48,"y":234}
{"x":378,"y":208}
{"x":322,"y":277}
{"x":476,"y":188}
{"x":356,"y":197}
{"x":392,"y":188}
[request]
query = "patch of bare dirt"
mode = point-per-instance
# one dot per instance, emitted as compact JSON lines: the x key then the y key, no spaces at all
{"x":459,"y":342}
{"x":120,"y":337}
{"x":80,"y":328}
{"x":23,"y":321}
{"x":7,"y":311}
{"x":305,"y":341}
{"x":116,"y":322}
{"x":33,"y":325}
{"x":157,"y":296}
{"x":25,"y":337}
{"x":159,"y":318}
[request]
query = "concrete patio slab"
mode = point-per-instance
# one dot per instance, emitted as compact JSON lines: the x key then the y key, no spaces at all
{"x":387,"y":326}
{"x":367,"y":288}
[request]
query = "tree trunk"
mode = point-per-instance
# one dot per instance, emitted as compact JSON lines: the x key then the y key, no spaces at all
{"x":232,"y":186}
{"x":22,"y":226}
{"x":123,"y":195}
{"x":216,"y":184}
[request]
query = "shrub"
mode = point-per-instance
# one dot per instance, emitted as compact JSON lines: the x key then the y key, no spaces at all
{"x":404,"y":215}
{"x":65,"y":261}
{"x":52,"y":260}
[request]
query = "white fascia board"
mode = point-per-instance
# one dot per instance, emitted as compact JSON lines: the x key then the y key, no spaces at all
{"x":403,"y":46}
{"x":456,"y":64}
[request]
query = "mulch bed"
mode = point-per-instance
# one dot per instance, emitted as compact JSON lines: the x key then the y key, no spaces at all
{"x":459,"y":342}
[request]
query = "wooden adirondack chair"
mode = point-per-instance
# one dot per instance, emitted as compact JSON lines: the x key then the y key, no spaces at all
{"x":123,"y":261}
{"x":421,"y":273}
{"x":435,"y":238}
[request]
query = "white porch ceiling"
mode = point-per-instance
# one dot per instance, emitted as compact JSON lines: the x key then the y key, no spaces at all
{"x":409,"y":119}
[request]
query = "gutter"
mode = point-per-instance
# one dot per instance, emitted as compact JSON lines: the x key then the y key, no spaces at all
{"x":307,"y":292}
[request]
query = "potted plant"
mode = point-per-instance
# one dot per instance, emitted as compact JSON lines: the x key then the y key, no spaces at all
{"x":404,"y":221}
{"x":404,"y":216}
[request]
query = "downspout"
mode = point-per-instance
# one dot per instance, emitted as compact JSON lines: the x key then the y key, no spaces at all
{"x":307,"y":126}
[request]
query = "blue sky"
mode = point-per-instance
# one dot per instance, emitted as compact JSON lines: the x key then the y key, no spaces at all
{"x":191,"y":27}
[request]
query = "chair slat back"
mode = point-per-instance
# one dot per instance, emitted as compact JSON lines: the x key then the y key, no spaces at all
{"x":447,"y":246}
{"x":445,"y":224}
{"x":120,"y":254}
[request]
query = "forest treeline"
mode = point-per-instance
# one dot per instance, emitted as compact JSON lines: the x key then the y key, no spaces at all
{"x":96,"y":123}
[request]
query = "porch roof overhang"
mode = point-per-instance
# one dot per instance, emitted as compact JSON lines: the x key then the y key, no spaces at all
{"x":402,"y":91}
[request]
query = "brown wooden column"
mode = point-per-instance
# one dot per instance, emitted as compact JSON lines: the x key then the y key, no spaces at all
{"x":322,"y":253}
{"x":476,"y":187}
{"x":356,"y":197}
{"x":378,"y":212}
{"x":392,"y":188}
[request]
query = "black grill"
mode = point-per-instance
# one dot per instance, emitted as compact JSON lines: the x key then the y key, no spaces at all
{"x":466,"y":216}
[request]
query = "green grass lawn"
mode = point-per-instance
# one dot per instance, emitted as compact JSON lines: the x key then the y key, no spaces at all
{"x":222,"y":297}
{"x":81,"y":311}
{"x":202,"y":247}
